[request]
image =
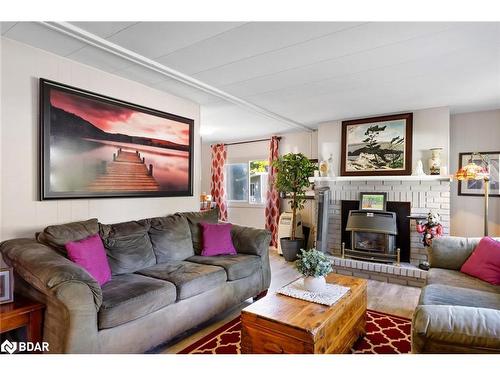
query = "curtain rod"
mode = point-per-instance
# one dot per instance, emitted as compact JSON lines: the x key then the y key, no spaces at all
{"x":252,"y":141}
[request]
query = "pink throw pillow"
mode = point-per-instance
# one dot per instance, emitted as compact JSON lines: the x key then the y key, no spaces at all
{"x":90,"y":254}
{"x":484,"y":262}
{"x":217,"y":239}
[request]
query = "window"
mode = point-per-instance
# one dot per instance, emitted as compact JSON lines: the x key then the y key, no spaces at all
{"x":237,"y":182}
{"x":258,"y":181}
{"x":247,"y":182}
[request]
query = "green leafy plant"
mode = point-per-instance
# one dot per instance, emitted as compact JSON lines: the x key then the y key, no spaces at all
{"x":313,"y":263}
{"x":292,"y":178}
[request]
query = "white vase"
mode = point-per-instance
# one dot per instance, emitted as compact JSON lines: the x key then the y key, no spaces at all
{"x":314,"y":284}
{"x":435,"y":161}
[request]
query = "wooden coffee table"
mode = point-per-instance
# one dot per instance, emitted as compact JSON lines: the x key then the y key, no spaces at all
{"x":281,"y":324}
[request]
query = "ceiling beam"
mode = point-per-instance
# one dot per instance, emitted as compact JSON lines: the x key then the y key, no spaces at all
{"x":104,"y":44}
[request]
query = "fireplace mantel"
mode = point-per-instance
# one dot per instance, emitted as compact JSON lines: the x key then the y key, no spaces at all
{"x":381,"y":178}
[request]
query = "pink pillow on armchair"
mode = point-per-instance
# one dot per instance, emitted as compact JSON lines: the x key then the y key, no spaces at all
{"x":217,"y":239}
{"x":90,"y":254}
{"x":484,"y":262}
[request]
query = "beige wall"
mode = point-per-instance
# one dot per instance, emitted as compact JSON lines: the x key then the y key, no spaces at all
{"x":431,"y":128}
{"x":253,"y":215}
{"x":476,"y":131}
{"x":21,"y":213}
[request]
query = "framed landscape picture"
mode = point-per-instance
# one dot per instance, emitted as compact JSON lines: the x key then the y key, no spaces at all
{"x":373,"y":201}
{"x":476,"y":187}
{"x":377,"y":146}
{"x":93,"y":146}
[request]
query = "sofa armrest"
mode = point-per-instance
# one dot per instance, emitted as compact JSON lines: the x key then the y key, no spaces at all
{"x":254,"y":241}
{"x":47,"y":270}
{"x":455,"y":329}
{"x":248,"y":240}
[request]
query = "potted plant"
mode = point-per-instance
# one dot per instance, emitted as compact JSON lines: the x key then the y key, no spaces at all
{"x":292,"y":179}
{"x":314,"y":265}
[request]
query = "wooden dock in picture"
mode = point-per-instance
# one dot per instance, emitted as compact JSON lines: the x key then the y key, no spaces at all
{"x":127,"y":172}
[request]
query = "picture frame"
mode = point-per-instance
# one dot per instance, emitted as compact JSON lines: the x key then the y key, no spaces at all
{"x":6,"y":285}
{"x":475,"y":188}
{"x":373,"y":201}
{"x":377,"y":146}
{"x":95,"y":146}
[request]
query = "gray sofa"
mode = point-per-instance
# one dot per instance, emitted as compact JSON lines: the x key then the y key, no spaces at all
{"x":456,"y":313}
{"x":160,"y":285}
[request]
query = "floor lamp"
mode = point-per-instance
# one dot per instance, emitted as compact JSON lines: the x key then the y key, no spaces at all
{"x":472,"y":171}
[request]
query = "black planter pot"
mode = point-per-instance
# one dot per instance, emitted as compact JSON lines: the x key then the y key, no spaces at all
{"x":290,"y":248}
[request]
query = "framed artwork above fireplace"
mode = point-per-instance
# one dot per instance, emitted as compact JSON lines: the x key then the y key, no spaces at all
{"x":377,"y":146}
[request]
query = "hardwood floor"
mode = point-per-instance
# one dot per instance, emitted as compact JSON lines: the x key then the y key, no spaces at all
{"x":389,"y":298}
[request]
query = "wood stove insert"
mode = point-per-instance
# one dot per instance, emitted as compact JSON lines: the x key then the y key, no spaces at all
{"x":372,"y":236}
{"x":364,"y":240}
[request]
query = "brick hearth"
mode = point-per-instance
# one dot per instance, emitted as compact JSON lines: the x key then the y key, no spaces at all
{"x":404,"y":274}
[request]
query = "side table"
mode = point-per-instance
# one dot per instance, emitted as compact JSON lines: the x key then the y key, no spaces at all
{"x":23,"y":312}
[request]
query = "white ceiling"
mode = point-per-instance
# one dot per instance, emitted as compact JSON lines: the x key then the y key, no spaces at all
{"x":309,"y":72}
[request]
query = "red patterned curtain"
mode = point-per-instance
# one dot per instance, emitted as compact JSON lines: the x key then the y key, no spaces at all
{"x":272,"y":198}
{"x":217,"y":188}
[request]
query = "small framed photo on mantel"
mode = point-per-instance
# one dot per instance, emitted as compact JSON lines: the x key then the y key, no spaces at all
{"x":377,"y":146}
{"x":6,"y":285}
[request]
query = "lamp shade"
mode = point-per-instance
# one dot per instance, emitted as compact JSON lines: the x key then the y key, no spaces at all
{"x":472,"y":171}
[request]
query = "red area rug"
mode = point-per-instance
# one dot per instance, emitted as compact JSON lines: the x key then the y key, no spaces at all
{"x":385,"y":334}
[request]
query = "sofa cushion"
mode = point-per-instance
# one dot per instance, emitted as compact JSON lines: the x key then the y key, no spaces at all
{"x":458,"y":279}
{"x":437,"y":294}
{"x":451,"y":252}
{"x":190,"y":278}
{"x":484,"y":262}
{"x":171,"y":238}
{"x":91,"y":255}
{"x":128,"y":246}
{"x":250,"y":240}
{"x":236,"y":266}
{"x":455,"y":329}
{"x":194,"y":219}
{"x":57,"y":236}
{"x":130,"y":296}
{"x":217,"y":239}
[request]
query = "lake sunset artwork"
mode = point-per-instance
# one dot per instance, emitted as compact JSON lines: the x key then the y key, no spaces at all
{"x":95,"y":146}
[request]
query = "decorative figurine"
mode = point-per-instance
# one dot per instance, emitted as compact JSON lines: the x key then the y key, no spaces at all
{"x":430,"y":228}
{"x":419,"y":169}
{"x":330,"y":166}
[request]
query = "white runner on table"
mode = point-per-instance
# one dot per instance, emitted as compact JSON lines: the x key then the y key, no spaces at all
{"x":328,"y":296}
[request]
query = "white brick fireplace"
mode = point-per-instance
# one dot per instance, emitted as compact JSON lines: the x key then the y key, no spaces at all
{"x":428,"y":193}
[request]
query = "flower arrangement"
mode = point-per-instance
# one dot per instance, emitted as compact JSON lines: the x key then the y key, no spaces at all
{"x":313,"y":263}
